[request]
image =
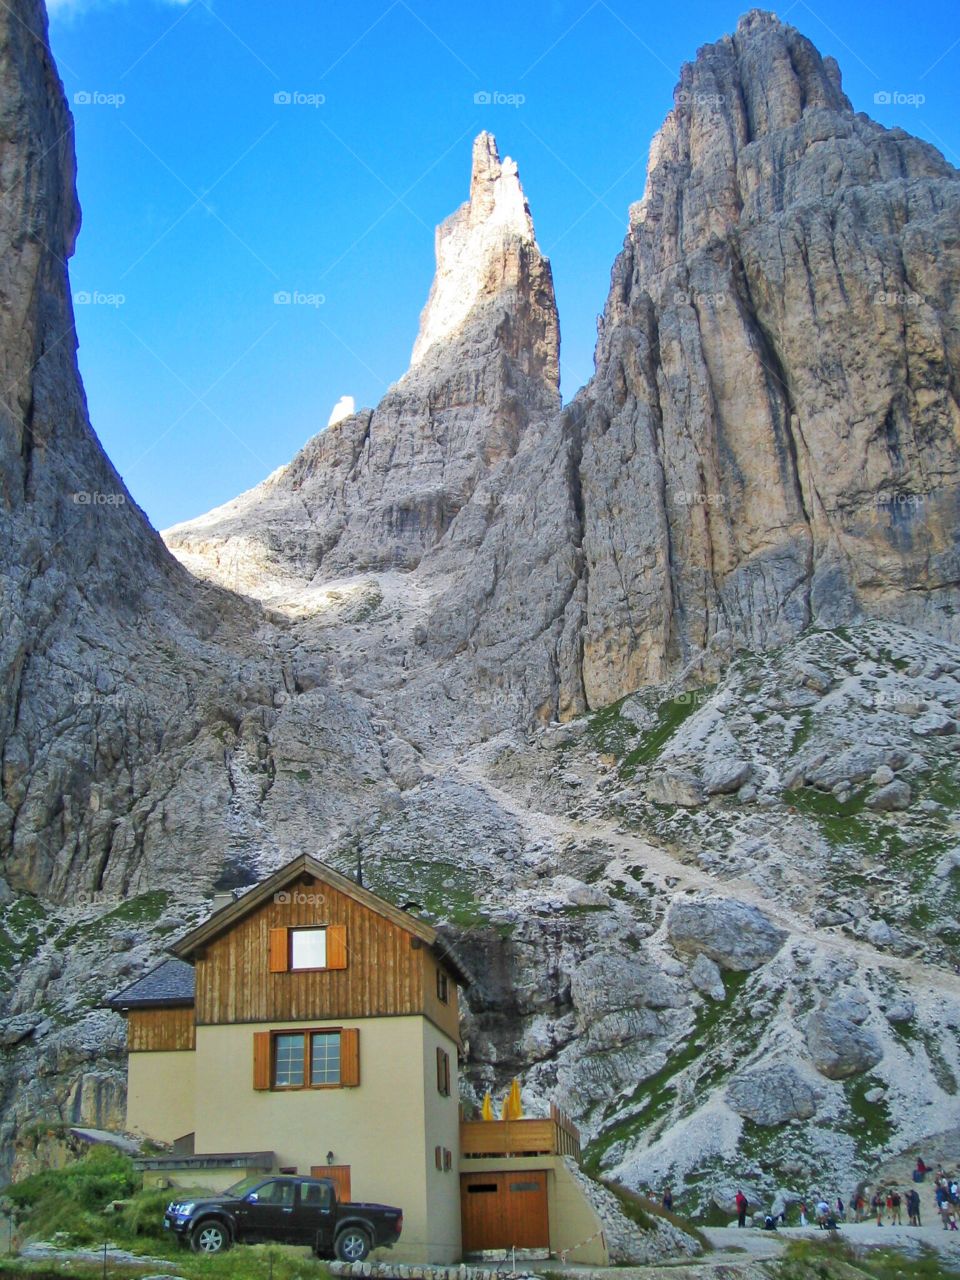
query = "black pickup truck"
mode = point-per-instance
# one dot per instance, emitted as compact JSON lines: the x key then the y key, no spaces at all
{"x":287,"y":1210}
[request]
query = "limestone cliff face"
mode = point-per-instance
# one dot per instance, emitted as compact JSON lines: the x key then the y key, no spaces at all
{"x":101,"y":630}
{"x":378,"y":489}
{"x":771,"y":435}
{"x":769,"y":441}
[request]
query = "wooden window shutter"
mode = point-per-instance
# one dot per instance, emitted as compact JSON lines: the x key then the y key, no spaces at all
{"x":279,"y":950}
{"x":336,"y":946}
{"x":350,"y":1057}
{"x":261,"y":1060}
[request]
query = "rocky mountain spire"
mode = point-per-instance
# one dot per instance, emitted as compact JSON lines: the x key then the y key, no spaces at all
{"x":475,"y":245}
{"x":383,"y":487}
{"x":771,"y":436}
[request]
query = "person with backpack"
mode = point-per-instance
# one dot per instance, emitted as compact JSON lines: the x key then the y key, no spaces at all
{"x":876,"y":1204}
{"x":895,"y":1202}
{"x":742,"y":1205}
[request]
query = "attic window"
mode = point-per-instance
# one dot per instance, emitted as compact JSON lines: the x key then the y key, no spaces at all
{"x":308,"y":948}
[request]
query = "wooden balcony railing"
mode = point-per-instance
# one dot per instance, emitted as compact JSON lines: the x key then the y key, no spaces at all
{"x":557,"y":1136}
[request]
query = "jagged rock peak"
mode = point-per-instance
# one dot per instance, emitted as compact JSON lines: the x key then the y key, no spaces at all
{"x":495,"y":192}
{"x":475,"y":245}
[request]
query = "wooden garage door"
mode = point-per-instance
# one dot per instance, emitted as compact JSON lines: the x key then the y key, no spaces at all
{"x":504,"y":1210}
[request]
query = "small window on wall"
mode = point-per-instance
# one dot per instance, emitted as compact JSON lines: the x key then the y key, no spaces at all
{"x":288,"y":1062}
{"x":443,"y":987}
{"x":322,"y":1059}
{"x":295,"y":948}
{"x":325,"y":1057}
{"x":443,"y":1073}
{"x":308,"y":948}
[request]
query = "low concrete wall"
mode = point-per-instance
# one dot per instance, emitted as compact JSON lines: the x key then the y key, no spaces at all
{"x":575,"y":1226}
{"x":212,"y":1179}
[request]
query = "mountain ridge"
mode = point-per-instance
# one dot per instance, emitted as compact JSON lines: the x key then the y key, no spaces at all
{"x":578,"y":679}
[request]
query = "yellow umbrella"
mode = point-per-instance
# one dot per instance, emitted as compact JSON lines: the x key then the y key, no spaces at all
{"x":512,"y":1106}
{"x":486,"y":1109}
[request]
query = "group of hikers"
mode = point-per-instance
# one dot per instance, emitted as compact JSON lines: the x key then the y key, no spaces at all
{"x":884,"y":1204}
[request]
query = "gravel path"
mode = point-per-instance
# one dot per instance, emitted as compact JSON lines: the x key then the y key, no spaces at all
{"x":862,"y":1235}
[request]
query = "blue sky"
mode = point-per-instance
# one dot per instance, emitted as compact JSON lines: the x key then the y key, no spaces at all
{"x":203,"y":196}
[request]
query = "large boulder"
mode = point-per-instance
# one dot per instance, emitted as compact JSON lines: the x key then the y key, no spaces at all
{"x":734,"y":934}
{"x":895,"y":795}
{"x":707,"y":978}
{"x":838,"y":1043}
{"x":772,"y":1095}
{"x":675,"y":787}
{"x":720,"y":777}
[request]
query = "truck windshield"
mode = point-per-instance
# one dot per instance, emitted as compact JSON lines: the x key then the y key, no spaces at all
{"x":240,"y":1189}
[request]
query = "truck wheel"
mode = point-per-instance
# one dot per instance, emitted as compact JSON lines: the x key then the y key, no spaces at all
{"x":209,"y":1237}
{"x":352,"y":1245}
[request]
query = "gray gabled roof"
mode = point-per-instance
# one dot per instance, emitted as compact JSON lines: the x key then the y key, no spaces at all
{"x":170,"y":983}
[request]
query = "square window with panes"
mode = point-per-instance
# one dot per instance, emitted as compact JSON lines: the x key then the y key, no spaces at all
{"x":325,"y":1058}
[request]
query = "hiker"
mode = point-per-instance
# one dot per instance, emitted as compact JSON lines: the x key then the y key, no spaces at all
{"x":943,"y":1206}
{"x":841,"y":1212}
{"x":860,"y":1206}
{"x":876,"y":1204}
{"x":742,"y":1204}
{"x":913,"y":1207}
{"x":895,"y":1203}
{"x":803,"y":1213}
{"x":667,"y":1200}
{"x":823,"y":1213}
{"x":920,"y":1172}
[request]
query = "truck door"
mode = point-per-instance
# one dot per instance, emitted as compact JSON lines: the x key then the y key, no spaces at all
{"x":316,"y":1215}
{"x":269,"y":1211}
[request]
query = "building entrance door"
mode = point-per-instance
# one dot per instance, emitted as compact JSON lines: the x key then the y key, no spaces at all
{"x":339,"y":1175}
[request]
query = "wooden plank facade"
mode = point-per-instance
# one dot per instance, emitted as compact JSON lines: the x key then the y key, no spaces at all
{"x":386,"y":970}
{"x":160,"y":1030}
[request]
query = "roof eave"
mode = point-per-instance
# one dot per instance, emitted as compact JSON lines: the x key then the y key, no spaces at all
{"x":186,"y":947}
{"x":174,"y":1002}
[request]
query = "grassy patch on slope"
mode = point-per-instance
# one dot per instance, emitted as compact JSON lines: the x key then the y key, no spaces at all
{"x":654,"y":1099}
